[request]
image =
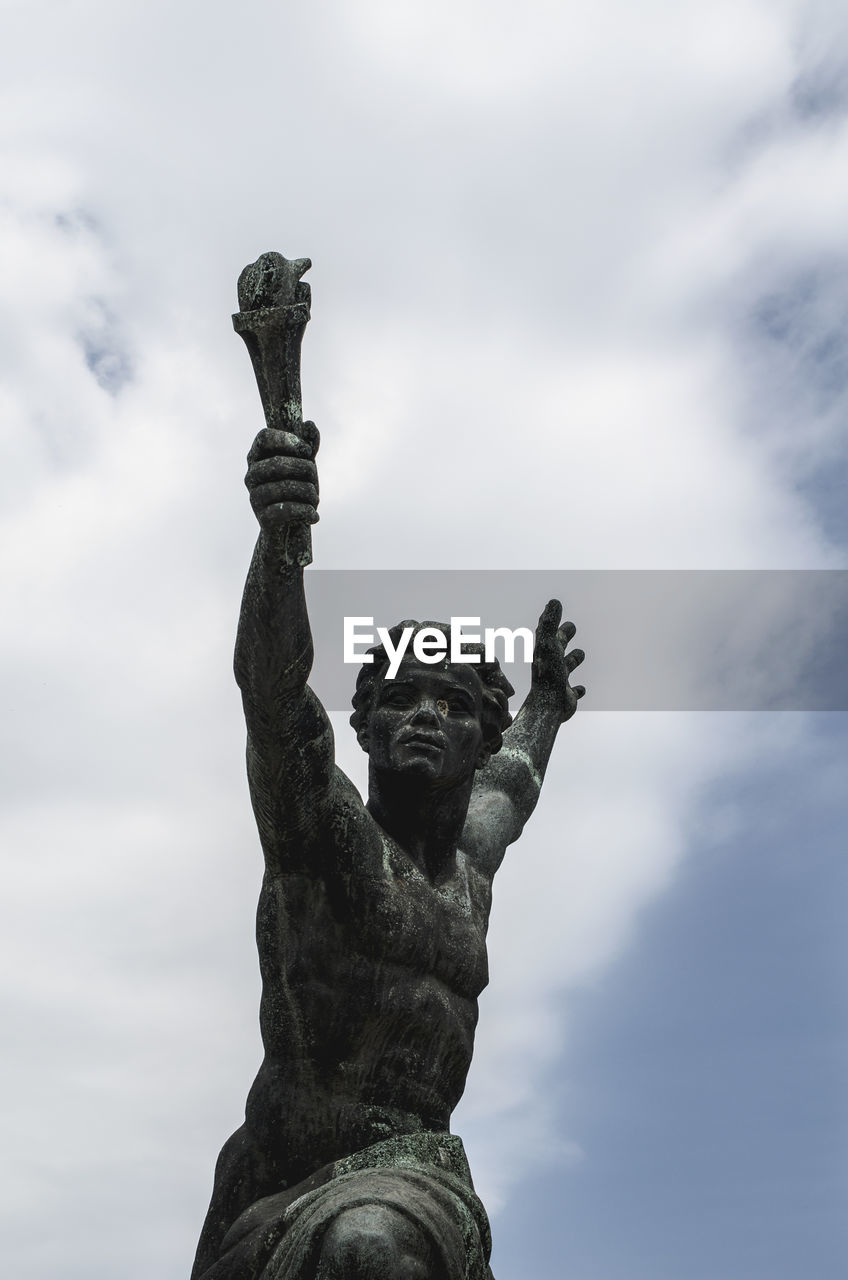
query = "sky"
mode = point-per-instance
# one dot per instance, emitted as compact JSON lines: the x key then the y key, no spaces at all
{"x":580,"y":291}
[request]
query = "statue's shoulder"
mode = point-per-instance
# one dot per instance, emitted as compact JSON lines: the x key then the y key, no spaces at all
{"x":348,"y":811}
{"x":354,"y":834}
{"x":489,"y":828}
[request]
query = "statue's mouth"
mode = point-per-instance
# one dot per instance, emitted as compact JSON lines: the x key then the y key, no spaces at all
{"x":434,"y":741}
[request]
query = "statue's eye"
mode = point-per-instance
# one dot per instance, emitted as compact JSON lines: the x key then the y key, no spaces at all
{"x":397,"y":695}
{"x":442,"y":707}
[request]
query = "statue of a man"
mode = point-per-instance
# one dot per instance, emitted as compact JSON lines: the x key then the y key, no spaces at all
{"x":371,"y":928}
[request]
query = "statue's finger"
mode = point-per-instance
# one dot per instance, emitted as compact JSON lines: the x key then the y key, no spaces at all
{"x":579,"y":690}
{"x":290,"y":491}
{"x":573,"y":659}
{"x":311,"y":435}
{"x":271,"y":441}
{"x":279,"y":467}
{"x":289,"y":513}
{"x":567,"y":632}
{"x":550,"y":616}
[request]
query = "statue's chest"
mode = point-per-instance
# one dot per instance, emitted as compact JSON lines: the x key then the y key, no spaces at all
{"x":398,"y":915}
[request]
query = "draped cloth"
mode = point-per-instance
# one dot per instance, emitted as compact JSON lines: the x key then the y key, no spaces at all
{"x":424,"y":1176}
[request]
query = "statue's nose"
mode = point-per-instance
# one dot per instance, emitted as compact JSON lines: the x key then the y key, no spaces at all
{"x":426,"y":711}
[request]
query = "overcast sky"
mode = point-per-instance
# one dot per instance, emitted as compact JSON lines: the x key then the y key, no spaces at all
{"x":580,"y":292}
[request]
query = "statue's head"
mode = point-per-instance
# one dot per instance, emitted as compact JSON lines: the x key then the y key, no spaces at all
{"x":442,"y":720}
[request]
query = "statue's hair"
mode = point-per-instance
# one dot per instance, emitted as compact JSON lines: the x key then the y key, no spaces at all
{"x":497,"y":690}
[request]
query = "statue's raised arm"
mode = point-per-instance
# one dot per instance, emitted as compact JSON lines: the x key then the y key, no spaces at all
{"x":505,"y":794}
{"x":289,"y":737}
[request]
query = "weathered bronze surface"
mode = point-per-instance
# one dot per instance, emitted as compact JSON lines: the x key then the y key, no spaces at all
{"x":372,"y":919}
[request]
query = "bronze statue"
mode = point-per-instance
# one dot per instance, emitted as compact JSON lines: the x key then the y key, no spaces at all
{"x":372,"y":919}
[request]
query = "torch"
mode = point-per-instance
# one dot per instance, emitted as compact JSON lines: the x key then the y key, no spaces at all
{"x":274,"y":311}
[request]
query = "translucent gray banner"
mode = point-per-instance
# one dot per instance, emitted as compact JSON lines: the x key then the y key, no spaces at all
{"x":654,"y":640}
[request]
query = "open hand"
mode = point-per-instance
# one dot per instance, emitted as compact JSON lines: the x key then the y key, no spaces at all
{"x":552,"y":664}
{"x":282,"y":477}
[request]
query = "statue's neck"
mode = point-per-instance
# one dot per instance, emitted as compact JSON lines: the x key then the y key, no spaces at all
{"x":425,"y":820}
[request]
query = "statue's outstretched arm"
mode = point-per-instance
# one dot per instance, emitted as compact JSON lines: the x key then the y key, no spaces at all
{"x":289,"y":737}
{"x":507,"y":788}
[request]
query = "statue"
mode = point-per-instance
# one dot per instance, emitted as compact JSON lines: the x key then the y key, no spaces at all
{"x":372,"y":919}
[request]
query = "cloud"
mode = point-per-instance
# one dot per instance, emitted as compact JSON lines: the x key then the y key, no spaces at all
{"x":578,"y":289}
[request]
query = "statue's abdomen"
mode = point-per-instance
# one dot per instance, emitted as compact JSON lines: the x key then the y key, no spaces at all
{"x":369,"y":1005}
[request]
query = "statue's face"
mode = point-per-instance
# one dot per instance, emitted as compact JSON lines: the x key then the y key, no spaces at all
{"x":427,"y":721}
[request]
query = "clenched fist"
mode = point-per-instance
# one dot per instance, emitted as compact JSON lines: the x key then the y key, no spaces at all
{"x":282,"y":478}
